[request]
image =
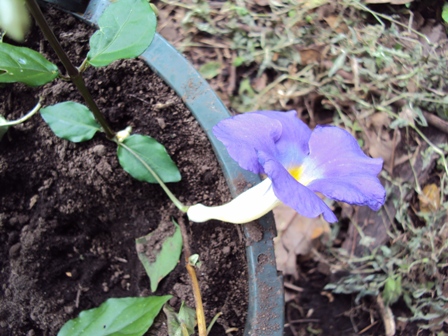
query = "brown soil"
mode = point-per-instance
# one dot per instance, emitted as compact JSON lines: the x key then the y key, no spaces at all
{"x":69,"y":215}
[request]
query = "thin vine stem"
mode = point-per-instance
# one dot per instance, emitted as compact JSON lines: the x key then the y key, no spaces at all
{"x":215,"y":318}
{"x":73,"y":72}
{"x":25,"y":117}
{"x":167,"y":191}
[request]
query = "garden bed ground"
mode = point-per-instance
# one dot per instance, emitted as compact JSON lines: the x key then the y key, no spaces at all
{"x":370,"y":67}
{"x":69,"y":215}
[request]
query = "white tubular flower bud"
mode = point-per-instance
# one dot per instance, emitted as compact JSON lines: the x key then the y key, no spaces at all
{"x":248,"y":206}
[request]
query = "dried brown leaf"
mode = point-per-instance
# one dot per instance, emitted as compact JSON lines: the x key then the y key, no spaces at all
{"x":260,"y":83}
{"x":308,"y":56}
{"x":295,"y":236}
{"x":380,"y":141}
{"x":429,"y":199}
{"x":335,"y":22}
{"x":311,"y":4}
{"x":262,"y":2}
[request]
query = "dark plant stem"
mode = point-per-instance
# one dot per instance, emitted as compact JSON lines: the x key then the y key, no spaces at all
{"x":73,"y":72}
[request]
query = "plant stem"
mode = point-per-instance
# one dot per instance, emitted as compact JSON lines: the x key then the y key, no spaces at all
{"x":167,"y":191}
{"x":25,"y":117}
{"x":215,"y":318}
{"x":202,"y":327}
{"x":72,"y":71}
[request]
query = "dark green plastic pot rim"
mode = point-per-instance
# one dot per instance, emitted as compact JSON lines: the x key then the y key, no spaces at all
{"x":265,"y":315}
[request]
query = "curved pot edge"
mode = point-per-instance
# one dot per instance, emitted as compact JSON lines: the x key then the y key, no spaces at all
{"x":266,"y":297}
{"x":265,"y":284}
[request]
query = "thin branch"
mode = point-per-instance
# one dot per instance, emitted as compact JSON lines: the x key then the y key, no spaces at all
{"x":435,"y":121}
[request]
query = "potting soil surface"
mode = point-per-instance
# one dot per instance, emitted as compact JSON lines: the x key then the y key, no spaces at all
{"x":69,"y":215}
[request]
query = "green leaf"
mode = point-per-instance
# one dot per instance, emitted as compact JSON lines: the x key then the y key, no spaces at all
{"x":185,"y":320}
{"x":338,"y":64}
{"x":138,"y":148}
{"x":130,"y":316}
{"x":187,"y":317}
{"x":127,"y":28}
{"x":159,"y":264}
{"x":238,"y":61}
{"x":210,"y":70}
{"x":392,"y":290}
{"x":3,"y":129}
{"x":418,"y":116}
{"x":71,"y":121}
{"x":24,"y":65}
{"x":445,"y":13}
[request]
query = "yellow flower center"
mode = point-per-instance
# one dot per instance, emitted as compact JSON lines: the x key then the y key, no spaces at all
{"x":301,"y":174}
{"x":296,"y":172}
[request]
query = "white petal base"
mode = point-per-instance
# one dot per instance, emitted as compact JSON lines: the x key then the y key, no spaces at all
{"x":248,"y":206}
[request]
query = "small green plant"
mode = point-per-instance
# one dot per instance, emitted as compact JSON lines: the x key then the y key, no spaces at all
{"x":126,"y":29}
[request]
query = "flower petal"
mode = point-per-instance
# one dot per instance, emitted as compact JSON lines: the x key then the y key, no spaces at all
{"x":338,"y":168}
{"x":245,"y":135}
{"x":294,"y":194}
{"x":292,"y":146}
{"x":359,"y":190}
{"x":248,"y":206}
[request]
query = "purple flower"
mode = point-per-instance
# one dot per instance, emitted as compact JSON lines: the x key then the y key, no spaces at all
{"x":297,"y":162}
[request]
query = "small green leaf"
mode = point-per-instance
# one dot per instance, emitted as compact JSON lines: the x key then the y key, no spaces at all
{"x":392,"y":290}
{"x":187,"y":316}
{"x":130,"y":316}
{"x":127,"y":28}
{"x":3,"y":129}
{"x":159,"y":264}
{"x":338,"y":64}
{"x":24,"y":65}
{"x":419,"y":117}
{"x":139,"y":148}
{"x":210,"y":70}
{"x":445,"y":13}
{"x":245,"y":88}
{"x":71,"y":121}
{"x":237,"y":61}
{"x":185,"y":320}
{"x":194,"y":260}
